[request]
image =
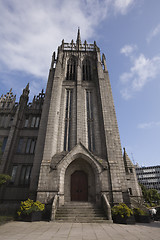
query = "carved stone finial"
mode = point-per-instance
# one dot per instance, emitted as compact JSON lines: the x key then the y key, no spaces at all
{"x":85,"y":44}
{"x":72,"y":44}
{"x":62,"y":44}
{"x":103,"y":57}
{"x":104,"y":62}
{"x":26,"y":90}
{"x":27,"y":87}
{"x":78,"y":37}
{"x":24,"y":97}
{"x":53,"y":59}
{"x":78,"y":42}
{"x":54,"y":56}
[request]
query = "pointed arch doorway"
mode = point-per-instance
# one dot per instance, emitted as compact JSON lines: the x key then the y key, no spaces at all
{"x":79,"y":186}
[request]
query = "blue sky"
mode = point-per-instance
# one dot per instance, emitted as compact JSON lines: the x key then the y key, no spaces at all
{"x":127,"y":32}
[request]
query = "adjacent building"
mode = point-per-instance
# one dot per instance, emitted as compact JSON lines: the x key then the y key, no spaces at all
{"x":65,"y":144}
{"x":149,"y":176}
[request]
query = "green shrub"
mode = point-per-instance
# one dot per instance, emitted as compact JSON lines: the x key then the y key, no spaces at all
{"x":139,"y":212}
{"x":147,"y":205}
{"x":122,"y":210}
{"x":30,"y":206}
{"x":4,"y":178}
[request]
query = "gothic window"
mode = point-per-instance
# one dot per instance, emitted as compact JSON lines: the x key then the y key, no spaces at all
{"x":68,"y":120}
{"x":131,"y":170}
{"x":20,"y":145}
{"x":130,"y":191}
{"x":13,"y":174}
{"x":26,"y":121}
{"x":30,"y":146}
{"x":86,"y":70}
{"x":35,"y":122}
{"x":90,"y":127}
{"x":25,"y":175}
{"x":26,"y":145}
{"x":4,"y":144}
{"x":71,"y":69}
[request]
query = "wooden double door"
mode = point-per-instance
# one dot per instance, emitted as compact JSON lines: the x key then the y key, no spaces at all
{"x":79,"y":186}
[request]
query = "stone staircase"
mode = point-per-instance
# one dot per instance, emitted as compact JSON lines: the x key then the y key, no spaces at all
{"x":80,"y":212}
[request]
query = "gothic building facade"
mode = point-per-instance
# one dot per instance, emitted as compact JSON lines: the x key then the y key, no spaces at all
{"x":65,"y":145}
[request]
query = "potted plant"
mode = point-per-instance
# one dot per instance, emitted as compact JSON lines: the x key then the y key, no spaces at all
{"x":30,"y":210}
{"x":121,"y":213}
{"x":141,"y":216}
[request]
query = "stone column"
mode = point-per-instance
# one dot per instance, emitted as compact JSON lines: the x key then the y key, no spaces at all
{"x":79,"y":103}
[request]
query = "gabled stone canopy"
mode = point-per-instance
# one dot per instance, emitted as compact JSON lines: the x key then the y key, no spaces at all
{"x":79,"y":151}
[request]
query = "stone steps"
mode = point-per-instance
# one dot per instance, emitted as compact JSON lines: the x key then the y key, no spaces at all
{"x":80,"y":212}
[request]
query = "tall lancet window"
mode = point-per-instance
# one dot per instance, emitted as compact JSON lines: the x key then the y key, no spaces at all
{"x":68,"y":113}
{"x":90,"y":127}
{"x":71,"y":69}
{"x":87,"y":70}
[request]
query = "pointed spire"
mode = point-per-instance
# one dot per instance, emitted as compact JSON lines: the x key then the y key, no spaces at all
{"x":24,"y":97}
{"x":63,"y":44}
{"x":85,"y":44}
{"x":78,"y":37}
{"x":27,"y":87}
{"x":26,"y":90}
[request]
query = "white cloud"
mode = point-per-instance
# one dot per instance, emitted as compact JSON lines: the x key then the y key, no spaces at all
{"x":123,"y":6}
{"x":30,"y":30}
{"x":127,"y":50}
{"x":125,"y":92}
{"x":149,"y":125}
{"x":126,"y":77}
{"x":142,"y":71}
{"x":153,"y":33}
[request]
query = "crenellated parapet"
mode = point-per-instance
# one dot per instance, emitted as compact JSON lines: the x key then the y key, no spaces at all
{"x":7,"y":101}
{"x":84,"y":47}
{"x":9,"y":108}
{"x":37,"y":101}
{"x":79,"y":46}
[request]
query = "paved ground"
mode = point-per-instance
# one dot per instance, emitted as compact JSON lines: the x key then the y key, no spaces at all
{"x":78,"y":231}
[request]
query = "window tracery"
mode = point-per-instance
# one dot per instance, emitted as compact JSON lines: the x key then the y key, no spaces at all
{"x":87,"y":70}
{"x":71,"y":69}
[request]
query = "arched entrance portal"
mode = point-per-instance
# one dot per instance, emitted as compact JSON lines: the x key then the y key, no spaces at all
{"x":79,"y":186}
{"x":80,"y":182}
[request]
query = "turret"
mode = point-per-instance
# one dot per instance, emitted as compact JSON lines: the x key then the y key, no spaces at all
{"x":78,"y":41}
{"x":25,"y":95}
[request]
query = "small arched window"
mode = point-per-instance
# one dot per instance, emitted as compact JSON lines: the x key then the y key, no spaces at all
{"x":87,"y":70}
{"x":71,"y":69}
